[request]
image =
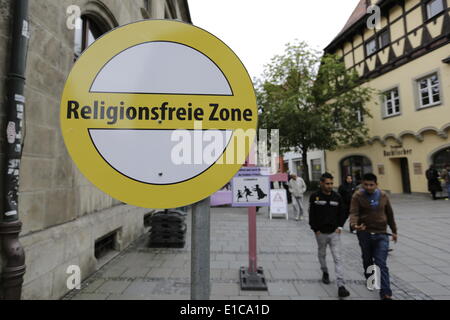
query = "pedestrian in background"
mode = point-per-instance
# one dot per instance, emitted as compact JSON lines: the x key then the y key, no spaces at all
{"x":370,"y":214}
{"x":434,"y":185}
{"x":286,"y":187}
{"x":446,"y":176}
{"x":326,"y":218}
{"x":297,"y":187}
{"x":346,"y":191}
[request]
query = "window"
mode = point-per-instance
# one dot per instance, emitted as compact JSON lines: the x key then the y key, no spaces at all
{"x":434,"y":7}
{"x":299,"y":167}
{"x":316,"y":169}
{"x":337,"y":119}
{"x":357,"y":167}
{"x":379,"y":42}
{"x":86,"y":32}
{"x":383,"y":39}
{"x":371,"y":47}
{"x":429,"y":91}
{"x":359,"y":116}
{"x":391,"y":103}
{"x":442,"y":158}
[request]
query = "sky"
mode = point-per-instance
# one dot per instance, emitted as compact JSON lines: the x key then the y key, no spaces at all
{"x":257,"y":30}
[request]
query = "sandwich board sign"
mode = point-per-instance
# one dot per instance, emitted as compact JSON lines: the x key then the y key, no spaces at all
{"x":278,"y":202}
{"x":151,"y":111}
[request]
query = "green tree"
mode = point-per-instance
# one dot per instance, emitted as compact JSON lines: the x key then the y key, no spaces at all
{"x":313,"y":100}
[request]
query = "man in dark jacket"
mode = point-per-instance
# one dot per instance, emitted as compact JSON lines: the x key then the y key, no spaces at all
{"x":326,"y":218}
{"x":370,"y":214}
{"x":434,"y":184}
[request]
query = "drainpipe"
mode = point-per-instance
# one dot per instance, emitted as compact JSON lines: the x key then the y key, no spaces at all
{"x":10,"y":225}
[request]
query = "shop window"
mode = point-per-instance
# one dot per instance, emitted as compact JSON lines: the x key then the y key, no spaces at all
{"x":429,"y":91}
{"x":299,"y":167}
{"x":434,"y":7}
{"x":442,"y":159}
{"x":357,"y":167}
{"x":316,"y":169}
{"x":391,"y":103}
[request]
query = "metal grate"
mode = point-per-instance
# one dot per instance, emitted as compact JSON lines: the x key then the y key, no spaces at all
{"x":105,"y":244}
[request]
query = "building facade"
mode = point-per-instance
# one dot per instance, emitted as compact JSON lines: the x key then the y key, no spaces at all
{"x":316,"y":164}
{"x":66,"y":220}
{"x":406,"y":58}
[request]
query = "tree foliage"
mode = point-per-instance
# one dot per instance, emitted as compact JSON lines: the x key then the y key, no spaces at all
{"x":313,"y":100}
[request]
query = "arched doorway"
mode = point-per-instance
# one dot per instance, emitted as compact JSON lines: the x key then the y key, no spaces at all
{"x":356,"y":166}
{"x":441,"y":159}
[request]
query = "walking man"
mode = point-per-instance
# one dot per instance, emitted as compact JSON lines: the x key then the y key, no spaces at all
{"x":297,"y":187}
{"x":326,"y":218}
{"x":370,"y":214}
{"x":447,"y":180}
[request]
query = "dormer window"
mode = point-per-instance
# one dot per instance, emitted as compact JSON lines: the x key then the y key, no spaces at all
{"x":434,"y":7}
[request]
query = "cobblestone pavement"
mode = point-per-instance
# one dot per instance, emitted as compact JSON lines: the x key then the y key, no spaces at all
{"x":419,"y":263}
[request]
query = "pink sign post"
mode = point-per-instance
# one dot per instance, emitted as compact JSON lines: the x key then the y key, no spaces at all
{"x":252,"y":278}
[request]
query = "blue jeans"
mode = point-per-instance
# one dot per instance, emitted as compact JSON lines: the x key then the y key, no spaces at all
{"x":375,"y":248}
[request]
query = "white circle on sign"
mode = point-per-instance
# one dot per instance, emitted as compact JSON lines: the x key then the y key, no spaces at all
{"x":156,"y":68}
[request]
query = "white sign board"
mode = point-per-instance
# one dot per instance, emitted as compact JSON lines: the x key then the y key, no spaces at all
{"x":278,"y":202}
{"x":251,"y":191}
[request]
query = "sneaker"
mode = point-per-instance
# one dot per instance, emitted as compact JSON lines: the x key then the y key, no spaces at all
{"x":342,"y":292}
{"x":326,"y":278}
{"x":296,"y":218}
{"x":386,"y":298}
{"x":301,"y":218}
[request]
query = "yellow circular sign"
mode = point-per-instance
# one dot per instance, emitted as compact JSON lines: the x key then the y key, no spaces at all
{"x":159,"y":114}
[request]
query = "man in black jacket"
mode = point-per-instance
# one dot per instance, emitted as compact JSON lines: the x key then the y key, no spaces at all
{"x":326,"y":217}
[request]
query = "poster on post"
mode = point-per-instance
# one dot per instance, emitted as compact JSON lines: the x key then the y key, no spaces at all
{"x":251,"y":191}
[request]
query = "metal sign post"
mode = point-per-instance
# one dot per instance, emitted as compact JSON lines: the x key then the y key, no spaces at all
{"x":200,"y":250}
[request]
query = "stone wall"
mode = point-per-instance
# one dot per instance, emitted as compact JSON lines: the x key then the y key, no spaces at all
{"x":49,"y":253}
{"x":62,"y":212}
